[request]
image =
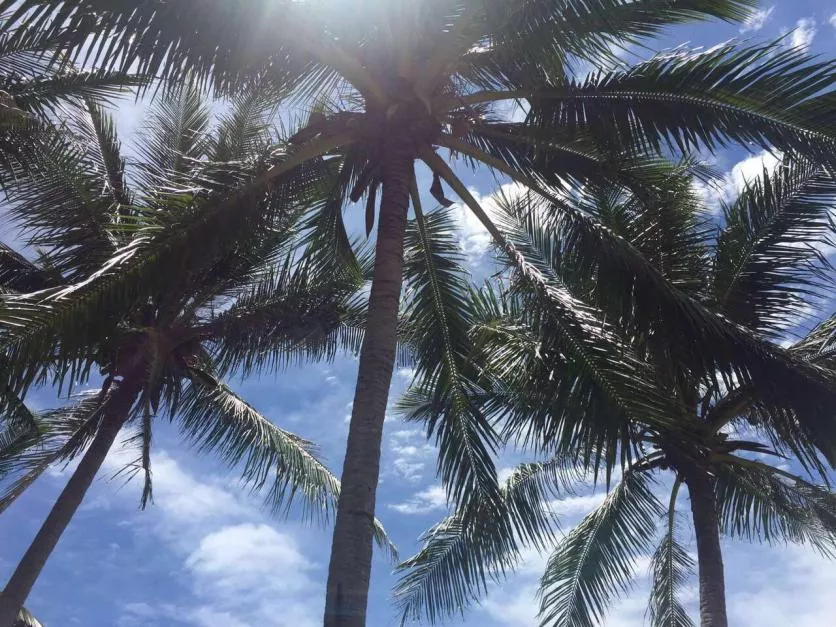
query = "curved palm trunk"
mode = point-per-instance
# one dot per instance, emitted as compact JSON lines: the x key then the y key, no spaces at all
{"x":709,"y":554}
{"x":20,"y":584}
{"x":351,"y":551}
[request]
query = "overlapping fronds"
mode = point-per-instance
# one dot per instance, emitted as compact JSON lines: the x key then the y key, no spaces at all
{"x":290,"y":311}
{"x":436,"y":322}
{"x":766,"y":95}
{"x":769,"y":268}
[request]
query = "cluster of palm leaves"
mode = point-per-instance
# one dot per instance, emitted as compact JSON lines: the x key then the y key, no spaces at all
{"x":629,"y":335}
{"x":628,"y":405}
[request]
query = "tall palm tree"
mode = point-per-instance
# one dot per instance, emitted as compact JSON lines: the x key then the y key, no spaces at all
{"x":388,"y":84}
{"x":253,"y":307}
{"x":762,"y":270}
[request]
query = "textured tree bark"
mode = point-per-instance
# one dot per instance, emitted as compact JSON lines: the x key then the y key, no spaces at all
{"x":351,"y":551}
{"x":709,"y":554}
{"x":30,"y":566}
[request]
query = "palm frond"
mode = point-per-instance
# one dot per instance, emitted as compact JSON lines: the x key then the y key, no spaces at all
{"x":61,"y":201}
{"x":481,"y":542}
{"x":594,"y":564}
{"x":19,"y":274}
{"x":590,"y":30}
{"x":61,"y":435}
{"x":45,"y":95}
{"x":671,"y":567}
{"x":760,"y":503}
{"x":764,"y":95}
{"x":268,"y":197}
{"x":285,"y":466}
{"x":149,"y":38}
{"x":437,"y":322}
{"x":768,"y":268}
{"x":290,"y":311}
{"x":173,"y":138}
{"x":215,"y":419}
{"x":566,"y":382}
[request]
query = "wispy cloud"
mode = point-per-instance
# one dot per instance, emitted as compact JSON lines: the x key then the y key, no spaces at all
{"x":425,"y":501}
{"x":802,"y":35}
{"x":241,"y":570}
{"x":756,"y":20}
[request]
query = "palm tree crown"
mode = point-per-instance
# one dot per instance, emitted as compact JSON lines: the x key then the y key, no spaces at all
{"x":253,"y":308}
{"x":384,"y":85}
{"x":761,"y":269}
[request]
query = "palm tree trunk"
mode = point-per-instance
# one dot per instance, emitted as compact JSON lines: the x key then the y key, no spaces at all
{"x":351,"y":551}
{"x":20,"y":584}
{"x":709,"y":554}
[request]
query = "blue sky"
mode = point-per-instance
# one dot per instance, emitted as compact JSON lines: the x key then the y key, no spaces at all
{"x":206,"y":554}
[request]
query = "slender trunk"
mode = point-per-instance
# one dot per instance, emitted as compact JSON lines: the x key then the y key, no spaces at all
{"x":20,"y":584}
{"x":351,"y":551}
{"x":709,"y":554}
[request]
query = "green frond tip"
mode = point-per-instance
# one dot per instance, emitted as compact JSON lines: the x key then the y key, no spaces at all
{"x":671,"y":566}
{"x":215,"y":419}
{"x":758,"y":502}
{"x":481,"y":542}
{"x":25,"y":618}
{"x":594,"y":565}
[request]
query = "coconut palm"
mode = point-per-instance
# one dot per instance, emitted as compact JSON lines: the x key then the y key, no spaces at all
{"x":251,"y":308}
{"x":385,"y":85}
{"x":763,"y":270}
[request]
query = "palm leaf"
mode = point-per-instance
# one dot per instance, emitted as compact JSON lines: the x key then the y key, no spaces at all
{"x":437,"y":322}
{"x":768,"y":268}
{"x":594,"y":564}
{"x":61,"y":435}
{"x":216,"y":420}
{"x":288,"y":312}
{"x":671,"y":566}
{"x":759,"y":502}
{"x":481,"y":542}
{"x":763,"y":95}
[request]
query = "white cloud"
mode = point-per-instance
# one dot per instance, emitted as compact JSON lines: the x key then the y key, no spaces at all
{"x":504,"y":473}
{"x":241,"y":570}
{"x":238,"y":561}
{"x":735,"y":180}
{"x":474,"y":239}
{"x":802,"y":35}
{"x":428,"y":500}
{"x":756,"y":20}
{"x":791,"y":586}
{"x":411,"y":453}
{"x":573,"y":507}
{"x":832,"y":20}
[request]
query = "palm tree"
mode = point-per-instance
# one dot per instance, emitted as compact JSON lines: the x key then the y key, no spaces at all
{"x":253,"y":307}
{"x":385,"y":85}
{"x":762,"y":270}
